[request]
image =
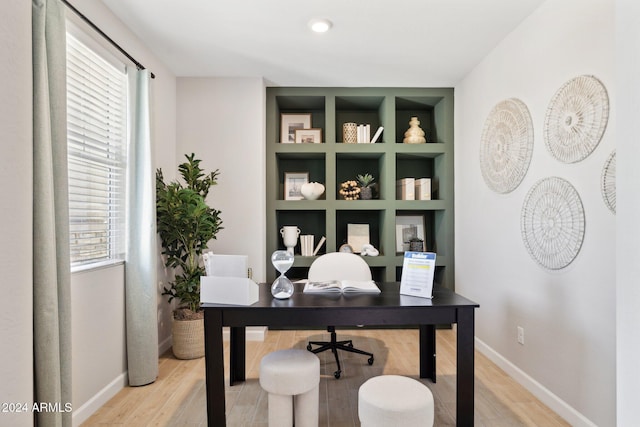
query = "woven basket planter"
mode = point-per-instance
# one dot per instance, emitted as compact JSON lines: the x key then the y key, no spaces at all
{"x":188,"y":338}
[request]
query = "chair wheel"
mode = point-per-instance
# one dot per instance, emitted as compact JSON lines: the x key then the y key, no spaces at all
{"x":370,"y":360}
{"x":309,"y":347}
{"x":337,"y":374}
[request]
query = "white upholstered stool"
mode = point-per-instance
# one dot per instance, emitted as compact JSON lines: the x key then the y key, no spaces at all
{"x":393,"y":400}
{"x":291,"y":377}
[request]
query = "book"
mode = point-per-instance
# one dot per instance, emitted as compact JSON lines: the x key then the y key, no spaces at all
{"x":423,"y":189}
{"x":320,"y":243}
{"x":342,"y":286}
{"x":363,"y":134}
{"x":405,"y":189}
{"x":377,"y":135}
{"x":306,"y":244}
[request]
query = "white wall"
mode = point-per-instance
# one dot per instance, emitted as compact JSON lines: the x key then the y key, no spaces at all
{"x":16,"y":360}
{"x":568,"y":315}
{"x":221,"y":120}
{"x":99,"y":351}
{"x":628,"y":188}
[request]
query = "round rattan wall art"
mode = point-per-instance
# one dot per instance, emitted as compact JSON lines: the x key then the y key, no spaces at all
{"x":608,"y":182}
{"x":576,"y":119}
{"x":506,"y":145}
{"x":552,"y":223}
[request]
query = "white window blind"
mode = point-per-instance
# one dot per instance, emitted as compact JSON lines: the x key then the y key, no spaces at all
{"x":96,"y":144}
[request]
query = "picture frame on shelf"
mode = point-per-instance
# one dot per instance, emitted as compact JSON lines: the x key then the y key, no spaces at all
{"x":357,"y":236}
{"x":409,"y":227}
{"x":308,"y":136}
{"x":289,"y":122}
{"x":293,"y":182}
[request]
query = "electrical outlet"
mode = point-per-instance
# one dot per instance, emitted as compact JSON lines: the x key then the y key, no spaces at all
{"x":520,"y":335}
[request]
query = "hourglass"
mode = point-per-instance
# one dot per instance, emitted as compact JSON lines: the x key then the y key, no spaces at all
{"x":282,"y":287}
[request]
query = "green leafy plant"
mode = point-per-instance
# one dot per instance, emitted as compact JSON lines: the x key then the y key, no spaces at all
{"x":186,"y":224}
{"x":365,"y":180}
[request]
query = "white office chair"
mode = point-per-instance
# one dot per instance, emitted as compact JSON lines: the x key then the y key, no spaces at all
{"x":338,"y":266}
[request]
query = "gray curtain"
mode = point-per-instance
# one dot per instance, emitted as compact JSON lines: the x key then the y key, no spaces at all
{"x":51,"y":262}
{"x":141,"y":291}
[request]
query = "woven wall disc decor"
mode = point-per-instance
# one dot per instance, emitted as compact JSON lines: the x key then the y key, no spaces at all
{"x":506,"y":145}
{"x":608,"y":182}
{"x":576,"y":119}
{"x":552,"y":223}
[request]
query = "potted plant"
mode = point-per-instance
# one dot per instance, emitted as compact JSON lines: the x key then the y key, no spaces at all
{"x":366,"y":184}
{"x":186,"y":224}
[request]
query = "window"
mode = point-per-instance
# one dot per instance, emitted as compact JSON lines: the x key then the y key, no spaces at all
{"x":96,"y":144}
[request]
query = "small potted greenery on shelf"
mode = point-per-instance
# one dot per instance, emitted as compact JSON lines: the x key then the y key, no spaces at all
{"x":366,"y":186}
{"x":186,"y":224}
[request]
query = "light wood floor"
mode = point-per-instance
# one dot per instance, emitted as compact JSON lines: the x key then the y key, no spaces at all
{"x":177,"y":398}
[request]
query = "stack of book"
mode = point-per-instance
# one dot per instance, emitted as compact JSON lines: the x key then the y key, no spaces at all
{"x":364,"y":134}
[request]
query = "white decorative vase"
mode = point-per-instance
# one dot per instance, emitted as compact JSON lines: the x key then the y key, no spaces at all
{"x":312,"y":190}
{"x":290,"y":235}
{"x":414,"y":135}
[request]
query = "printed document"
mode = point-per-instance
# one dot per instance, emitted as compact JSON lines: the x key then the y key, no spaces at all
{"x":418,"y":269}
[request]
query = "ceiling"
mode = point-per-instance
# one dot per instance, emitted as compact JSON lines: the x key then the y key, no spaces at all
{"x":421,"y":43}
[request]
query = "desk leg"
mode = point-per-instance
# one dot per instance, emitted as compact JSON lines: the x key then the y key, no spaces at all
{"x":428,"y":352}
{"x":465,"y":367}
{"x":237,"y":354}
{"x":214,"y":365}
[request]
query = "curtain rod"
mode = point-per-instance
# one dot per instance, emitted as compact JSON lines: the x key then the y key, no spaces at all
{"x":109,"y":39}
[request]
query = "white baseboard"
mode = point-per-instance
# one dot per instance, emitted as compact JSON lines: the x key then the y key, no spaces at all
{"x":165,"y":345}
{"x":81,"y":414}
{"x":558,"y":405}
{"x":253,"y":333}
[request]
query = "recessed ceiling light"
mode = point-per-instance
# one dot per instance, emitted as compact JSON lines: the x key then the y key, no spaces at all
{"x":320,"y":25}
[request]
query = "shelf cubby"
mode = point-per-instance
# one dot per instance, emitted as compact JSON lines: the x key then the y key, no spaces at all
{"x":308,"y":221}
{"x":426,"y":233}
{"x":425,"y":108}
{"x":312,"y":163}
{"x":360,"y":110}
{"x":373,"y":218}
{"x":350,"y":165}
{"x":417,"y":165}
{"x":315,"y":105}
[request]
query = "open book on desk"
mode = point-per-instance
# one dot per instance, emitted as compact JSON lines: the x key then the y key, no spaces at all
{"x":342,"y":286}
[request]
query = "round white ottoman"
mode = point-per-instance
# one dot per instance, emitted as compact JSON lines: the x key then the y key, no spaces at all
{"x":393,"y":400}
{"x":291,"y":377}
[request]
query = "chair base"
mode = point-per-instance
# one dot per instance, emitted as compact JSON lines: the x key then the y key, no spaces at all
{"x":334,"y":345}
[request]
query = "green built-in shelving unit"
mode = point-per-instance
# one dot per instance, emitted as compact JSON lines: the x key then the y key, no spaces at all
{"x":332,"y":162}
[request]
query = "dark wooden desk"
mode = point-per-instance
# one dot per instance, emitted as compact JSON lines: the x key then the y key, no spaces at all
{"x":304,"y":310}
